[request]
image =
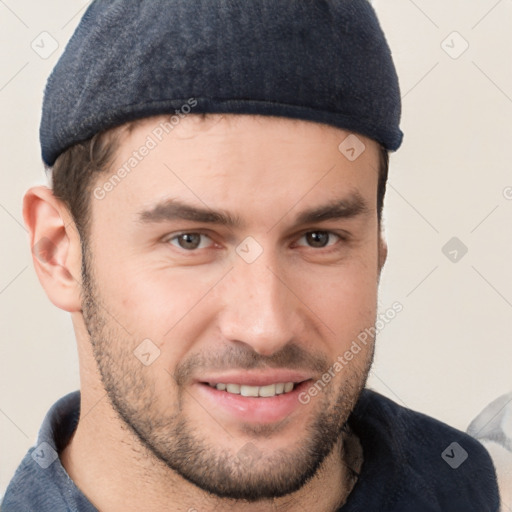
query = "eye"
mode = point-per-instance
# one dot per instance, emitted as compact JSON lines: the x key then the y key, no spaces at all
{"x":190,"y":241}
{"x":319,"y":239}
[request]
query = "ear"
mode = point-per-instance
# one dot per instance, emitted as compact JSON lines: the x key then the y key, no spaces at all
{"x":383,"y":252}
{"x":56,"y":247}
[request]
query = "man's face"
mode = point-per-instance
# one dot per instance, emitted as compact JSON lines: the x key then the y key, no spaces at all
{"x":242,"y":252}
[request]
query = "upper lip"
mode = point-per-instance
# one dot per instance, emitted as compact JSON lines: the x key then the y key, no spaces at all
{"x":248,"y":378}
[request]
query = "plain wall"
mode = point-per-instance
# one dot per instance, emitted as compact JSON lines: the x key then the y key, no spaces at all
{"x":448,"y":353}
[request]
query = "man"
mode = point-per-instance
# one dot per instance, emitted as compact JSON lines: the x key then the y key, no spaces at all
{"x":213,"y":227}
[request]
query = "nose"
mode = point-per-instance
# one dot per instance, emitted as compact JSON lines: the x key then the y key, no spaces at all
{"x":258,"y":307}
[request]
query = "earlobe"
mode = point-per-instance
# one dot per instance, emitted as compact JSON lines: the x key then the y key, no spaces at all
{"x":55,"y":245}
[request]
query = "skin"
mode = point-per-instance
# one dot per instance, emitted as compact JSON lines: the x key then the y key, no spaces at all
{"x":209,"y":313}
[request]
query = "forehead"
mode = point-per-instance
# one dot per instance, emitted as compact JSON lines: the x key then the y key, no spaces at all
{"x":238,"y":162}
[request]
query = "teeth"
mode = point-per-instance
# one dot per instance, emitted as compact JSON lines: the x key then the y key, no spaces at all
{"x":249,"y":390}
{"x":233,"y":388}
{"x":288,"y":387}
{"x":255,"y":391}
{"x":269,"y":390}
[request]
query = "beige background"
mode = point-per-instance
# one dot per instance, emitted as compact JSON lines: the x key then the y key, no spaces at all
{"x":448,"y":353}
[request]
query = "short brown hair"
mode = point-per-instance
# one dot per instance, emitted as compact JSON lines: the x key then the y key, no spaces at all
{"x":75,"y":170}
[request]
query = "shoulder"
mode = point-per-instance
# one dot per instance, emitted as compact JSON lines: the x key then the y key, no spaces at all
{"x":41,"y":482}
{"x":427,"y":460}
{"x":31,"y":488}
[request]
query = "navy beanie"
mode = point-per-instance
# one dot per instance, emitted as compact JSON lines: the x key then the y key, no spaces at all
{"x":319,"y":60}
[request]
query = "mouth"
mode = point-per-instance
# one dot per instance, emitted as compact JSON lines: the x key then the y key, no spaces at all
{"x":259,"y":397}
{"x":267,"y":391}
{"x":270,"y":402}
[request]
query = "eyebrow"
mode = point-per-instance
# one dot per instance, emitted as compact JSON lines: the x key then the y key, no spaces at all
{"x":347,"y":208}
{"x":174,"y":209}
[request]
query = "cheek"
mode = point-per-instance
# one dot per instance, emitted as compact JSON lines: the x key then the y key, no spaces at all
{"x":165,"y":307}
{"x":345,"y":298}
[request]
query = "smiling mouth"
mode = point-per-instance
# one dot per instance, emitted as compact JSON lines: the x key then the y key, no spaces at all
{"x":270,"y":390}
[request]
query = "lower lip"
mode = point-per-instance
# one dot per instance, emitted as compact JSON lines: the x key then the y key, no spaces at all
{"x":253,"y":409}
